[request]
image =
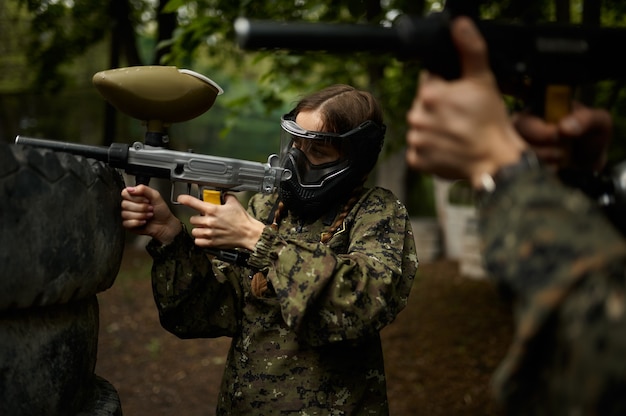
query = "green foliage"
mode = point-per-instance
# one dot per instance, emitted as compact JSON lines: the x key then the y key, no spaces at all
{"x":60,"y":34}
{"x":206,"y":36}
{"x":14,"y":74}
{"x":420,"y":200}
{"x":66,"y":42}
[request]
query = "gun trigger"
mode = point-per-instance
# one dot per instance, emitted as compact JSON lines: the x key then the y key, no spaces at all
{"x":212,"y":196}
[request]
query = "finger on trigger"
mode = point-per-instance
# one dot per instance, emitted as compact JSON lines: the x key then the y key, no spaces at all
{"x":193,"y":203}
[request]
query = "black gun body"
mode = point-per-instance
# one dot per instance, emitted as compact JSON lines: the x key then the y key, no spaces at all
{"x":305,"y":36}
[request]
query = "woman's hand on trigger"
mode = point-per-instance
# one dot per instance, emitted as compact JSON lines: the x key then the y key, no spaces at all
{"x":145,"y":212}
{"x":223,"y":226}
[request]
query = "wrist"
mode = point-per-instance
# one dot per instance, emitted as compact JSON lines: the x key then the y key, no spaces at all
{"x":260,"y":257}
{"x":182,"y":243}
{"x":488,"y":181}
{"x":507,"y":151}
{"x":169,"y":232}
{"x":254,"y":234}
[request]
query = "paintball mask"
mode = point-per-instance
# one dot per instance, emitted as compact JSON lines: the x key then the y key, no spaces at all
{"x":314,"y":188}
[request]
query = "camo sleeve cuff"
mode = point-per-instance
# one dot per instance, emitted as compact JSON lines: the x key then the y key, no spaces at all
{"x":182,"y":243}
{"x":506,"y":176}
{"x":260,"y":257}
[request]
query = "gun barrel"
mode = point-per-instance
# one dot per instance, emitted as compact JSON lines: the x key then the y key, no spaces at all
{"x":427,"y":39}
{"x":307,"y":36}
{"x":95,"y":152}
{"x":545,"y":53}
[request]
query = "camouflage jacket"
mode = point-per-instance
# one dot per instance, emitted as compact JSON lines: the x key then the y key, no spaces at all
{"x":553,"y":253}
{"x":310,"y":345}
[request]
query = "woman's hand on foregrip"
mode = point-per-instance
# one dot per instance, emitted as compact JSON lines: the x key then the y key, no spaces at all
{"x":223,"y":226}
{"x":145,"y":212}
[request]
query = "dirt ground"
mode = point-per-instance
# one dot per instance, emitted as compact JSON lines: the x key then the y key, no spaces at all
{"x":439,"y":353}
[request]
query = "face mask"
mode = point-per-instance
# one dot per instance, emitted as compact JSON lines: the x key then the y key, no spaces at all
{"x":314,"y":189}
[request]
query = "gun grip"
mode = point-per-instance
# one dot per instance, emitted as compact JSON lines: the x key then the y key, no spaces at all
{"x":142,"y":180}
{"x":558,"y":100}
{"x":212,"y":196}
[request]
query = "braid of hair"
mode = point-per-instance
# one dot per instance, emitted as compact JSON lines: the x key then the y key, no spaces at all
{"x":259,"y":281}
{"x":278,"y":215}
{"x":356,"y":194}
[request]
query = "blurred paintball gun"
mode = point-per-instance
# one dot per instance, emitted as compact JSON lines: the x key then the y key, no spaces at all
{"x":538,"y":63}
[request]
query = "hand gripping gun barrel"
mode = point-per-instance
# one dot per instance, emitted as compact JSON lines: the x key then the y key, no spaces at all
{"x":159,"y":96}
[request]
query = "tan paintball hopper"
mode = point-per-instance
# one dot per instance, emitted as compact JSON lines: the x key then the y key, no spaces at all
{"x":157,"y":95}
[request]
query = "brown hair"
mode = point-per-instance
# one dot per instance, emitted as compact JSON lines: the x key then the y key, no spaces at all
{"x":342,"y":107}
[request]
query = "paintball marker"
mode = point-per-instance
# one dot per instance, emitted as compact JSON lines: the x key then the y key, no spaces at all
{"x":538,"y":63}
{"x":208,"y":172}
{"x":160,"y":96}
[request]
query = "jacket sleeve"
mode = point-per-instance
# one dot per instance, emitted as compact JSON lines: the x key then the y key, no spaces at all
{"x":327,"y":297}
{"x":192,"y":302}
{"x":538,"y":234}
{"x":544,"y":245}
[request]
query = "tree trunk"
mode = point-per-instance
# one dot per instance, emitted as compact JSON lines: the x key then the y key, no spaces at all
{"x":591,"y":17}
{"x":167,"y":24}
{"x":123,"y":40}
{"x":563,"y":11}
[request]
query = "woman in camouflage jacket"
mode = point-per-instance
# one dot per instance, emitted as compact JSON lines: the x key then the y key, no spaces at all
{"x":331,"y":263}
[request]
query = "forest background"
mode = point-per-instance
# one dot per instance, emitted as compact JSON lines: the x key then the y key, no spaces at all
{"x":441,"y":351}
{"x":52,"y":48}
